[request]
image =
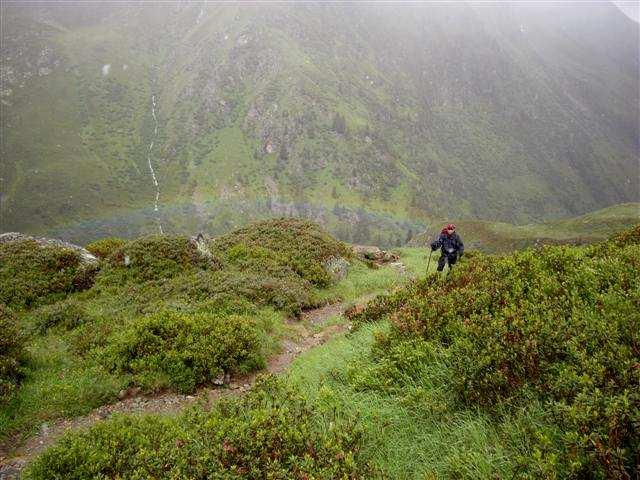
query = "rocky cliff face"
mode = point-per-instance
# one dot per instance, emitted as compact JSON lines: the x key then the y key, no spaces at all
{"x":369,"y":118}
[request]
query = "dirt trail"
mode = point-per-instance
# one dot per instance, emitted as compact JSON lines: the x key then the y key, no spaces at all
{"x":13,"y":460}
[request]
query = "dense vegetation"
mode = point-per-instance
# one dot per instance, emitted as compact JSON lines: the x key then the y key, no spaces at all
{"x":12,"y":354}
{"x":340,"y":114}
{"x":164,"y":313}
{"x":270,"y":433}
{"x":32,"y":274}
{"x":104,"y":247}
{"x":558,"y":327}
{"x":516,"y":366}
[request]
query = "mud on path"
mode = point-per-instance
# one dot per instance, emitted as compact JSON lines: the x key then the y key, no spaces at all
{"x":310,"y":330}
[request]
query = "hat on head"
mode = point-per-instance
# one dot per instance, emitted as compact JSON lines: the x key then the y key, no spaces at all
{"x":447,"y":227}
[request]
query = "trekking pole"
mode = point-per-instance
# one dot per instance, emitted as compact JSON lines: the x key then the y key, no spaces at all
{"x":429,"y":262}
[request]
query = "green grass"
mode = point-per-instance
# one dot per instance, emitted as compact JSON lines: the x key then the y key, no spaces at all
{"x":500,"y":237}
{"x":171,"y":319}
{"x":421,"y":433}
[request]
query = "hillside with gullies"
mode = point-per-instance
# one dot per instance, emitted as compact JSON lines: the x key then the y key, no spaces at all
{"x":130,"y":118}
{"x":276,"y":351}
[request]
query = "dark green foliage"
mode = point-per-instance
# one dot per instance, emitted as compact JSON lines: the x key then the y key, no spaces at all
{"x":278,"y":287}
{"x":155,"y":257}
{"x":67,"y":314}
{"x":12,"y":353}
{"x":298,"y":244}
{"x":559,"y":324}
{"x":183,"y":351}
{"x":271,"y":433}
{"x":105,"y":247}
{"x":31,"y":274}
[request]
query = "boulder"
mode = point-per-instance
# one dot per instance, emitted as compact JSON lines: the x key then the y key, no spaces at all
{"x":200,"y":243}
{"x":86,"y":258}
{"x":337,"y":267}
{"x":374,"y":254}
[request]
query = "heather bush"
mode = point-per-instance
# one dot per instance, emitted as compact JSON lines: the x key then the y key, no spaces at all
{"x":281,"y":289}
{"x":270,"y":433}
{"x":154,"y":257}
{"x":301,"y":245}
{"x":12,"y":353}
{"x":67,"y":314}
{"x":31,"y":274}
{"x":183,"y":351}
{"x":105,"y":247}
{"x":558,"y":324}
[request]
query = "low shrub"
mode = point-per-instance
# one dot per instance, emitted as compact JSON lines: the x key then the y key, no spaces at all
{"x":298,"y":244}
{"x":31,"y":274}
{"x":12,"y":354}
{"x":182,"y":351}
{"x":67,"y":314}
{"x":155,"y":257}
{"x":270,"y":433}
{"x":281,"y":289}
{"x":560,"y":324}
{"x":105,"y":247}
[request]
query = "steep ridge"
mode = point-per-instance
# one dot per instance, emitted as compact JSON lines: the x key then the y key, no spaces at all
{"x":372,"y":119}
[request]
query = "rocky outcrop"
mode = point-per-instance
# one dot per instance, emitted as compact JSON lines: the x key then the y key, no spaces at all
{"x":86,"y":258}
{"x":200,"y":242}
{"x":374,"y":254}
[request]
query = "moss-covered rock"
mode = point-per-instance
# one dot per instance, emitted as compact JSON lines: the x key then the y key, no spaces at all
{"x":31,"y":273}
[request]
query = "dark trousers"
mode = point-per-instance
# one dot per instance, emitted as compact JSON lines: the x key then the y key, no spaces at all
{"x":450,"y":258}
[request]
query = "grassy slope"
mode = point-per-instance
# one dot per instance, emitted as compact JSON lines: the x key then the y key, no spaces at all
{"x":496,"y":237}
{"x":243,"y":76}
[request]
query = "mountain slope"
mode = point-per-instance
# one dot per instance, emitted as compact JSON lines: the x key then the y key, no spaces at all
{"x":369,"y":118}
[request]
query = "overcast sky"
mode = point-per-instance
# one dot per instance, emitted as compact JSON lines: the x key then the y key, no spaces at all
{"x":630,"y":8}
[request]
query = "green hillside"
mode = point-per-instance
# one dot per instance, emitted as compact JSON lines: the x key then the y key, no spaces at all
{"x":494,"y":237}
{"x":515,"y":366}
{"x":371,"y":119}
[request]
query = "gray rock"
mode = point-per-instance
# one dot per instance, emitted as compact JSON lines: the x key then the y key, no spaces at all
{"x":337,"y":267}
{"x":374,"y":254}
{"x":200,"y":243}
{"x":219,"y":380}
{"x":85,"y":257}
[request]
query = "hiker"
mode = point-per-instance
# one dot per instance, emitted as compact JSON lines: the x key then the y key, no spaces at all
{"x":450,"y":245}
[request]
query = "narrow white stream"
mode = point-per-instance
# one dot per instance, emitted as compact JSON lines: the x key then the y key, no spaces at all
{"x":201,"y":14}
{"x":153,"y":172}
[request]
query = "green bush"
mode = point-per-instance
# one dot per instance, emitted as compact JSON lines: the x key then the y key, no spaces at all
{"x":559,"y":324}
{"x":298,"y":244}
{"x":31,"y":274}
{"x":105,"y":247}
{"x":12,"y":353}
{"x":183,"y":351}
{"x":67,"y":314}
{"x":155,"y":257}
{"x":281,"y":289}
{"x":270,"y":433}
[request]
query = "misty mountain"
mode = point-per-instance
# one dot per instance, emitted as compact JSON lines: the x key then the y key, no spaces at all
{"x":126,"y":118}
